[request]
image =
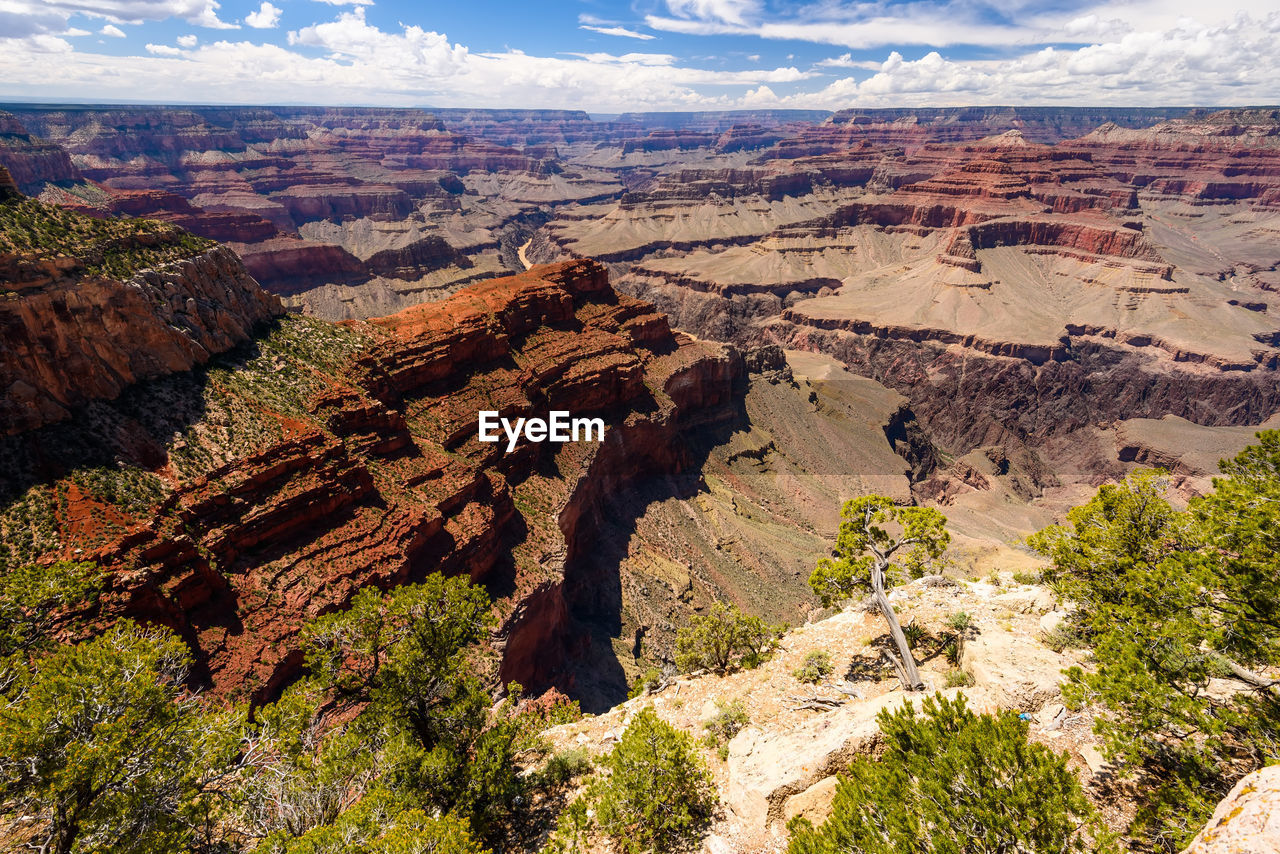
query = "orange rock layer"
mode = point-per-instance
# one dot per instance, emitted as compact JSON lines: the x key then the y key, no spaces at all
{"x":387,"y":481}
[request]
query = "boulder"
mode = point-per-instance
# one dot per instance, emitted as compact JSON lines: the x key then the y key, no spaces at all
{"x":1019,"y":673}
{"x":814,"y":803}
{"x":1248,"y":819}
{"x":767,"y":768}
{"x":1028,"y":600}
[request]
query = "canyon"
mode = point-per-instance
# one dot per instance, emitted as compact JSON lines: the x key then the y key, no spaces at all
{"x":250,"y":354}
{"x":989,"y":309}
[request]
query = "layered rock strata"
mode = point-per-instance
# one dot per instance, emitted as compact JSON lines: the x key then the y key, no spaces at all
{"x":329,"y":459}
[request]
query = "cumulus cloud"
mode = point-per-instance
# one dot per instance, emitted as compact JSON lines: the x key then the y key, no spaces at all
{"x":267,"y":17}
{"x":208,"y":17}
{"x":616,"y":31}
{"x":350,"y":60}
{"x":113,"y":31}
{"x":414,"y":51}
{"x":187,"y":41}
{"x":846,"y":60}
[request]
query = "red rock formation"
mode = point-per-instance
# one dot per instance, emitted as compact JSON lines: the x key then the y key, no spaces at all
{"x":70,"y":339}
{"x":32,"y":163}
{"x":383,"y":479}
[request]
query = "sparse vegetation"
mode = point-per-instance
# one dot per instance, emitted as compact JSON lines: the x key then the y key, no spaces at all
{"x":816,"y":667}
{"x":730,"y":718}
{"x":726,"y":639}
{"x":647,"y":682}
{"x":957,"y":678}
{"x":117,"y":248}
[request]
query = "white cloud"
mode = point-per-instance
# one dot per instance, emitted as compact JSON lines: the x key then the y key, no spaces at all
{"x":113,"y":31}
{"x":187,"y":41}
{"x":846,"y":60}
{"x":347,"y":2}
{"x":410,"y":53}
{"x":267,"y":17}
{"x":208,"y":17}
{"x":349,"y":60}
{"x":733,"y":12}
{"x":616,"y":31}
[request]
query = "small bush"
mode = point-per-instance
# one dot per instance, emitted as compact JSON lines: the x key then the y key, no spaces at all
{"x":658,"y":794}
{"x":1063,"y":636}
{"x":728,"y":722}
{"x":960,"y":622}
{"x":1026,"y":577}
{"x":565,"y":766}
{"x":993,"y":578}
{"x":647,"y":682}
{"x":816,"y":667}
{"x":914,"y":632}
{"x":958,"y":679}
{"x":724,"y":640}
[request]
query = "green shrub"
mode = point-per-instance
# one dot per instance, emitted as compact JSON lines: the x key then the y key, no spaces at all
{"x":726,"y":639}
{"x":816,"y":667}
{"x":958,"y":679}
{"x":728,"y":722}
{"x":1063,"y":636}
{"x":960,"y":622}
{"x":658,"y":794}
{"x":647,"y":682}
{"x":565,"y":766}
{"x":914,"y":632}
{"x":1023,"y":577}
{"x":953,"y":781}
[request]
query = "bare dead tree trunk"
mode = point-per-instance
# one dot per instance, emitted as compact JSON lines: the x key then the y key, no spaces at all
{"x":906,"y":667}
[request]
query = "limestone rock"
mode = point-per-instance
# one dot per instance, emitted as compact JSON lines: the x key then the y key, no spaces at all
{"x":1030,"y":600}
{"x":814,"y":803}
{"x":766,"y":768}
{"x":1248,"y":819}
{"x":1020,"y":673}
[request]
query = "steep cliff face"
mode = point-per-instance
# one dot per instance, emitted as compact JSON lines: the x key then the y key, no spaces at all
{"x":324,"y":459}
{"x":33,"y":163}
{"x":123,"y":302}
{"x":1015,"y":291}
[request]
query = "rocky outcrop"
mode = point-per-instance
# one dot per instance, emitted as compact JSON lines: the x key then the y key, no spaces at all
{"x":1248,"y":819}
{"x":32,"y":163}
{"x":72,"y":336}
{"x":380,"y":478}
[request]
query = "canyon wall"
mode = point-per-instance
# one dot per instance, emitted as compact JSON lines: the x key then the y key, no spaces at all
{"x":248,"y":497}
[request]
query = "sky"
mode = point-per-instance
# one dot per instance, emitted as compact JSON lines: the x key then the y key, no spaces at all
{"x":610,"y":56}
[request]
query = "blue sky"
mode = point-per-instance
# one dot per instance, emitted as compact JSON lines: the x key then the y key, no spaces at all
{"x":615,"y":55}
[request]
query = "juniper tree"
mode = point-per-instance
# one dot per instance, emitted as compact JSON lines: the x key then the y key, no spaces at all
{"x":408,"y":661}
{"x":1167,"y":601}
{"x":101,"y":742}
{"x":953,"y":782}
{"x":657,"y":793}
{"x":878,"y":542}
{"x":724,"y":639}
